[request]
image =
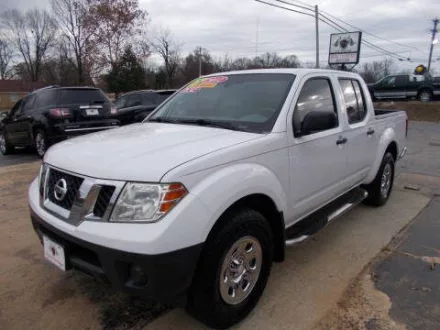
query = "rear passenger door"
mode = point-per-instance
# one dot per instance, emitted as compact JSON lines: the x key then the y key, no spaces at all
{"x":359,"y":131}
{"x":317,"y":160}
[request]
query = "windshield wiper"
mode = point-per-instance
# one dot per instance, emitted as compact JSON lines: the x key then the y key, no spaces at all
{"x":161,"y":120}
{"x":211,"y":123}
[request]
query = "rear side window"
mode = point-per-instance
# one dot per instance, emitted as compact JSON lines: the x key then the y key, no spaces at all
{"x":162,"y":96}
{"x":29,"y":104}
{"x":133,"y":100}
{"x":81,"y":96}
{"x":316,"y":95}
{"x":354,"y":100}
{"x":149,"y":99}
{"x":46,"y":99}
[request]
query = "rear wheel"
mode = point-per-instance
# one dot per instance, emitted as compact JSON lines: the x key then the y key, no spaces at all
{"x":380,"y":189}
{"x":40,"y":142}
{"x":5,"y":147}
{"x":425,"y":96}
{"x":233,"y":270}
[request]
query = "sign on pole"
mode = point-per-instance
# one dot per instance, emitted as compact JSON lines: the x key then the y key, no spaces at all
{"x":345,"y":48}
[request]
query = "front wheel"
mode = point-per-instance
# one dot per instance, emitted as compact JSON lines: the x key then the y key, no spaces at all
{"x":380,"y":189}
{"x":233,"y":270}
{"x":425,"y":96}
{"x":40,"y":142}
{"x":5,"y":147}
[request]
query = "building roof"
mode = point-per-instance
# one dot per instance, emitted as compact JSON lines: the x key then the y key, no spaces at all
{"x":15,"y":86}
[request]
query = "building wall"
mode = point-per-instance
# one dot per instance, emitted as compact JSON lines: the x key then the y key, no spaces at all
{"x":8,"y":99}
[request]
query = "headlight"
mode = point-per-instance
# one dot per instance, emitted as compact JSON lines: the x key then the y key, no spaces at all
{"x":142,"y":202}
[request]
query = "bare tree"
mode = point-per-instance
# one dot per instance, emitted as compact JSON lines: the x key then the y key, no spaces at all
{"x":76,"y":31}
{"x":118,"y":24}
{"x":32,"y":34}
{"x":6,"y":53}
{"x":169,"y":51}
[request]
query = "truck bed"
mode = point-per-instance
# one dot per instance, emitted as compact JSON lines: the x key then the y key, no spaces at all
{"x":383,"y":113}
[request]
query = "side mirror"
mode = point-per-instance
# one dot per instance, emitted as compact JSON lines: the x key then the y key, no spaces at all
{"x":4,"y":114}
{"x":316,"y":121}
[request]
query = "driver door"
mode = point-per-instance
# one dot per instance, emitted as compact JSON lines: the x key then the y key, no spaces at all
{"x":317,"y":160}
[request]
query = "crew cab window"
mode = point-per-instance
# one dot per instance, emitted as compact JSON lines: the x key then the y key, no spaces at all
{"x":354,"y":100}
{"x":316,"y":95}
{"x":401,"y":80}
{"x":389,"y":81}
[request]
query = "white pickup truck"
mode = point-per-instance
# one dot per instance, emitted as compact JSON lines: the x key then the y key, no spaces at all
{"x":193,"y":205}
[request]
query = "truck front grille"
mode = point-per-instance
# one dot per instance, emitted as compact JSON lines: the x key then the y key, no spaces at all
{"x":101,"y":204}
{"x":72,"y":184}
{"x":75,"y":198}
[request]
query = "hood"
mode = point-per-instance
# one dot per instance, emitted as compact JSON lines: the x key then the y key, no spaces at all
{"x":140,"y":152}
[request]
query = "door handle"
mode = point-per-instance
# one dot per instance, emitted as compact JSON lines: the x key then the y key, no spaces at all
{"x":370,"y":131}
{"x":341,"y":140}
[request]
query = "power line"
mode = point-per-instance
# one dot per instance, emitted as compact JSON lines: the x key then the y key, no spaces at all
{"x":308,"y":7}
{"x":332,"y":24}
{"x":368,"y":33}
{"x":289,"y":9}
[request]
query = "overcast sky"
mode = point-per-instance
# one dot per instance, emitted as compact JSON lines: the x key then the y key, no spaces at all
{"x":230,"y":26}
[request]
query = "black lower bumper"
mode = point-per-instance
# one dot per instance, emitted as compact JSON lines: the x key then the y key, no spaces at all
{"x":164,"y":277}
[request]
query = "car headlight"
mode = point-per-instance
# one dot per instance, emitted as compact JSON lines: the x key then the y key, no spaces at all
{"x":143,"y":202}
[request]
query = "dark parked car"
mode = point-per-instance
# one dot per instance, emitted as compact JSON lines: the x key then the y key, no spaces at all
{"x":133,"y":107}
{"x":406,"y":86}
{"x":53,"y":114}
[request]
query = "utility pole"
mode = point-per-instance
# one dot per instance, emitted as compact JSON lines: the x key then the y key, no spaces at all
{"x":317,"y":35}
{"x":434,"y":32}
{"x":257,"y":36}
{"x":200,"y":61}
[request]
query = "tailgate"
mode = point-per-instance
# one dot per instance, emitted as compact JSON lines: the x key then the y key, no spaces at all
{"x":85,"y":104}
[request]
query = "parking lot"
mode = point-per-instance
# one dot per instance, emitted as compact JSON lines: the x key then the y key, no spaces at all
{"x":317,"y":286}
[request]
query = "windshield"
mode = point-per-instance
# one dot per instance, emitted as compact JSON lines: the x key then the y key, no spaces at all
{"x":247,"y":102}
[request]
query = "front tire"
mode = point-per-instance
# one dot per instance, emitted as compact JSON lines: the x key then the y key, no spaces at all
{"x":425,"y":96}
{"x":40,"y":142}
{"x":5,"y":147}
{"x":380,"y":189}
{"x":233,"y":270}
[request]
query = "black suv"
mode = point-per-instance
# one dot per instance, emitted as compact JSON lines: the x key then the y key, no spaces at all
{"x":133,"y":107}
{"x":53,"y":114}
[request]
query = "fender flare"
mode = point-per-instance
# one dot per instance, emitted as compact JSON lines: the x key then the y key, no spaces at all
{"x":230,"y":184}
{"x":388,"y":137}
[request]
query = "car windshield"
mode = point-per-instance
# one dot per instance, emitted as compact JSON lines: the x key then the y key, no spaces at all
{"x":247,"y":102}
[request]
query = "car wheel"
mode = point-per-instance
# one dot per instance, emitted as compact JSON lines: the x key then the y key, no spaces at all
{"x":380,"y":189}
{"x":5,"y":147}
{"x":425,"y":96}
{"x":233,"y":270}
{"x":40,"y":142}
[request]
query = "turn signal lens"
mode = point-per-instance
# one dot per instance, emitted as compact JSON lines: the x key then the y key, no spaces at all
{"x":172,"y":196}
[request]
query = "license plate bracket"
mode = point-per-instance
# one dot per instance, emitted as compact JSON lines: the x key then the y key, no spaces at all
{"x":92,"y":112}
{"x":54,"y":253}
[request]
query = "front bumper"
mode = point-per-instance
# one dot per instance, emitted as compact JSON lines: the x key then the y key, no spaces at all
{"x":163,"y":277}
